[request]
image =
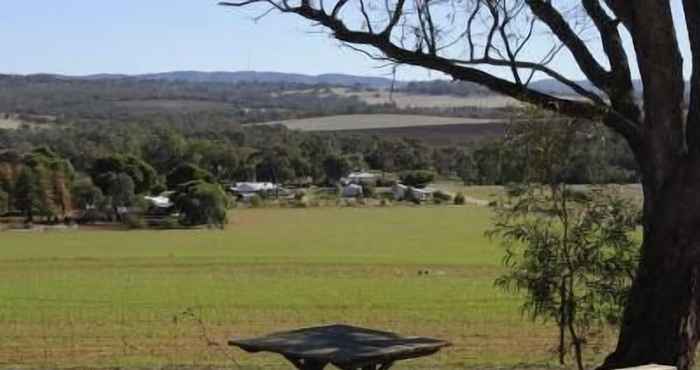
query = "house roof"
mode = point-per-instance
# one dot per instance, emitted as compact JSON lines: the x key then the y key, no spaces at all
{"x":252,"y":187}
{"x":160,"y":201}
{"x":361,"y":175}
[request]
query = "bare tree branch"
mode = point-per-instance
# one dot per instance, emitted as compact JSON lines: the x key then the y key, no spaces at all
{"x":597,"y":110}
{"x":692,"y":20}
{"x":546,"y":12}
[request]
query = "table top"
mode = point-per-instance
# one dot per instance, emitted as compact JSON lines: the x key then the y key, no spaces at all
{"x":342,"y":345}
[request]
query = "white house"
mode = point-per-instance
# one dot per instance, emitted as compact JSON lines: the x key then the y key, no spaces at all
{"x":401,"y":192}
{"x":352,"y":191}
{"x":253,"y":187}
{"x":360,"y":177}
{"x":160,"y":201}
{"x":422,"y":194}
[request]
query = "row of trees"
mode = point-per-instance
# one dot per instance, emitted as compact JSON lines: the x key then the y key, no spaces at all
{"x":163,"y":156}
{"x":37,"y":183}
{"x":42,"y":185}
{"x":275,"y":154}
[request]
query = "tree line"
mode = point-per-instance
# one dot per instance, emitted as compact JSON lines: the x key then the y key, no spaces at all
{"x":148,"y":157}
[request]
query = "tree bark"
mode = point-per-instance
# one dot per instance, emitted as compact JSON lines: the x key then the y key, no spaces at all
{"x":660,"y":323}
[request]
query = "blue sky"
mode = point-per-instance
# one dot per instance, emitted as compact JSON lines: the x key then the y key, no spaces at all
{"x":140,"y":36}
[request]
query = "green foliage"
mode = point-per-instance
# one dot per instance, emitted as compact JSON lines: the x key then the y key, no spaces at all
{"x":273,"y":165}
{"x":120,"y":190}
{"x":4,"y":202}
{"x":134,"y":221}
{"x":141,"y":173}
{"x":369,"y":190}
{"x":202,"y":203}
{"x":568,"y":250}
{"x":185,"y":173}
{"x":442,"y":196}
{"x":27,"y":196}
{"x":571,"y":254}
{"x":418,"y":179}
{"x":336,"y":166}
{"x":256,"y":201}
{"x":86,"y":195}
{"x":166,"y":148}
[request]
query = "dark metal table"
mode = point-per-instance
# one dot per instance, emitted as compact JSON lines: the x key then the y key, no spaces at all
{"x":346,"y":347}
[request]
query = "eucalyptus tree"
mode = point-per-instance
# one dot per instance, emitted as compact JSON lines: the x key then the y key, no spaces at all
{"x":503,"y":44}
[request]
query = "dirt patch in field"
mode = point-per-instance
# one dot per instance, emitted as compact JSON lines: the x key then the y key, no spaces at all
{"x":377,"y":121}
{"x":439,"y":134}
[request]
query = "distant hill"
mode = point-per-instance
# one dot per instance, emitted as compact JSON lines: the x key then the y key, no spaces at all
{"x":555,"y":87}
{"x":241,"y":76}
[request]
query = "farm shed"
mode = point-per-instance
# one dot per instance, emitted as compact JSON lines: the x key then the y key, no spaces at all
{"x":399,"y":191}
{"x":159,"y":201}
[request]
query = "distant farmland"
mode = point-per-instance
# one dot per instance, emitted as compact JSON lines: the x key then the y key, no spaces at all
{"x":412,"y":100}
{"x":439,"y":135}
{"x":431,"y":129}
{"x":375,"y":121}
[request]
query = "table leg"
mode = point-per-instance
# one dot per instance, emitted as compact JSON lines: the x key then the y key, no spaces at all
{"x":380,"y":366}
{"x":306,"y":364}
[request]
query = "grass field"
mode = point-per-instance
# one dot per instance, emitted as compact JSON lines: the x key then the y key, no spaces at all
{"x":438,"y":135}
{"x":375,"y":121}
{"x":156,"y":298}
{"x":406,"y":100}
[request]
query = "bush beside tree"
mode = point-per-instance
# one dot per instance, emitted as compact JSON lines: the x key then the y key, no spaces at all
{"x":202,"y":203}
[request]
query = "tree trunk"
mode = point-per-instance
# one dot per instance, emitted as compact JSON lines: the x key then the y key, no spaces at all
{"x":660,"y":323}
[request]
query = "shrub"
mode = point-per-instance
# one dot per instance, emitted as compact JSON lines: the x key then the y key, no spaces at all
{"x":442,"y":196}
{"x":140,"y":172}
{"x":256,"y":201}
{"x":369,"y":191}
{"x":86,"y":195}
{"x":4,"y":202}
{"x":385,"y":182}
{"x":134,"y":221}
{"x":170,"y":223}
{"x":301,"y":202}
{"x":460,"y":200}
{"x":202,"y":203}
{"x":571,"y":258}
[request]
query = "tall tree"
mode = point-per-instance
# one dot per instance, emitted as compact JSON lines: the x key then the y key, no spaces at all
{"x":28,"y":199}
{"x":470,"y":40}
{"x":142,"y":174}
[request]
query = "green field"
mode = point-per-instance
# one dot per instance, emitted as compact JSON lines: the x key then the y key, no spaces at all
{"x":106,"y":299}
